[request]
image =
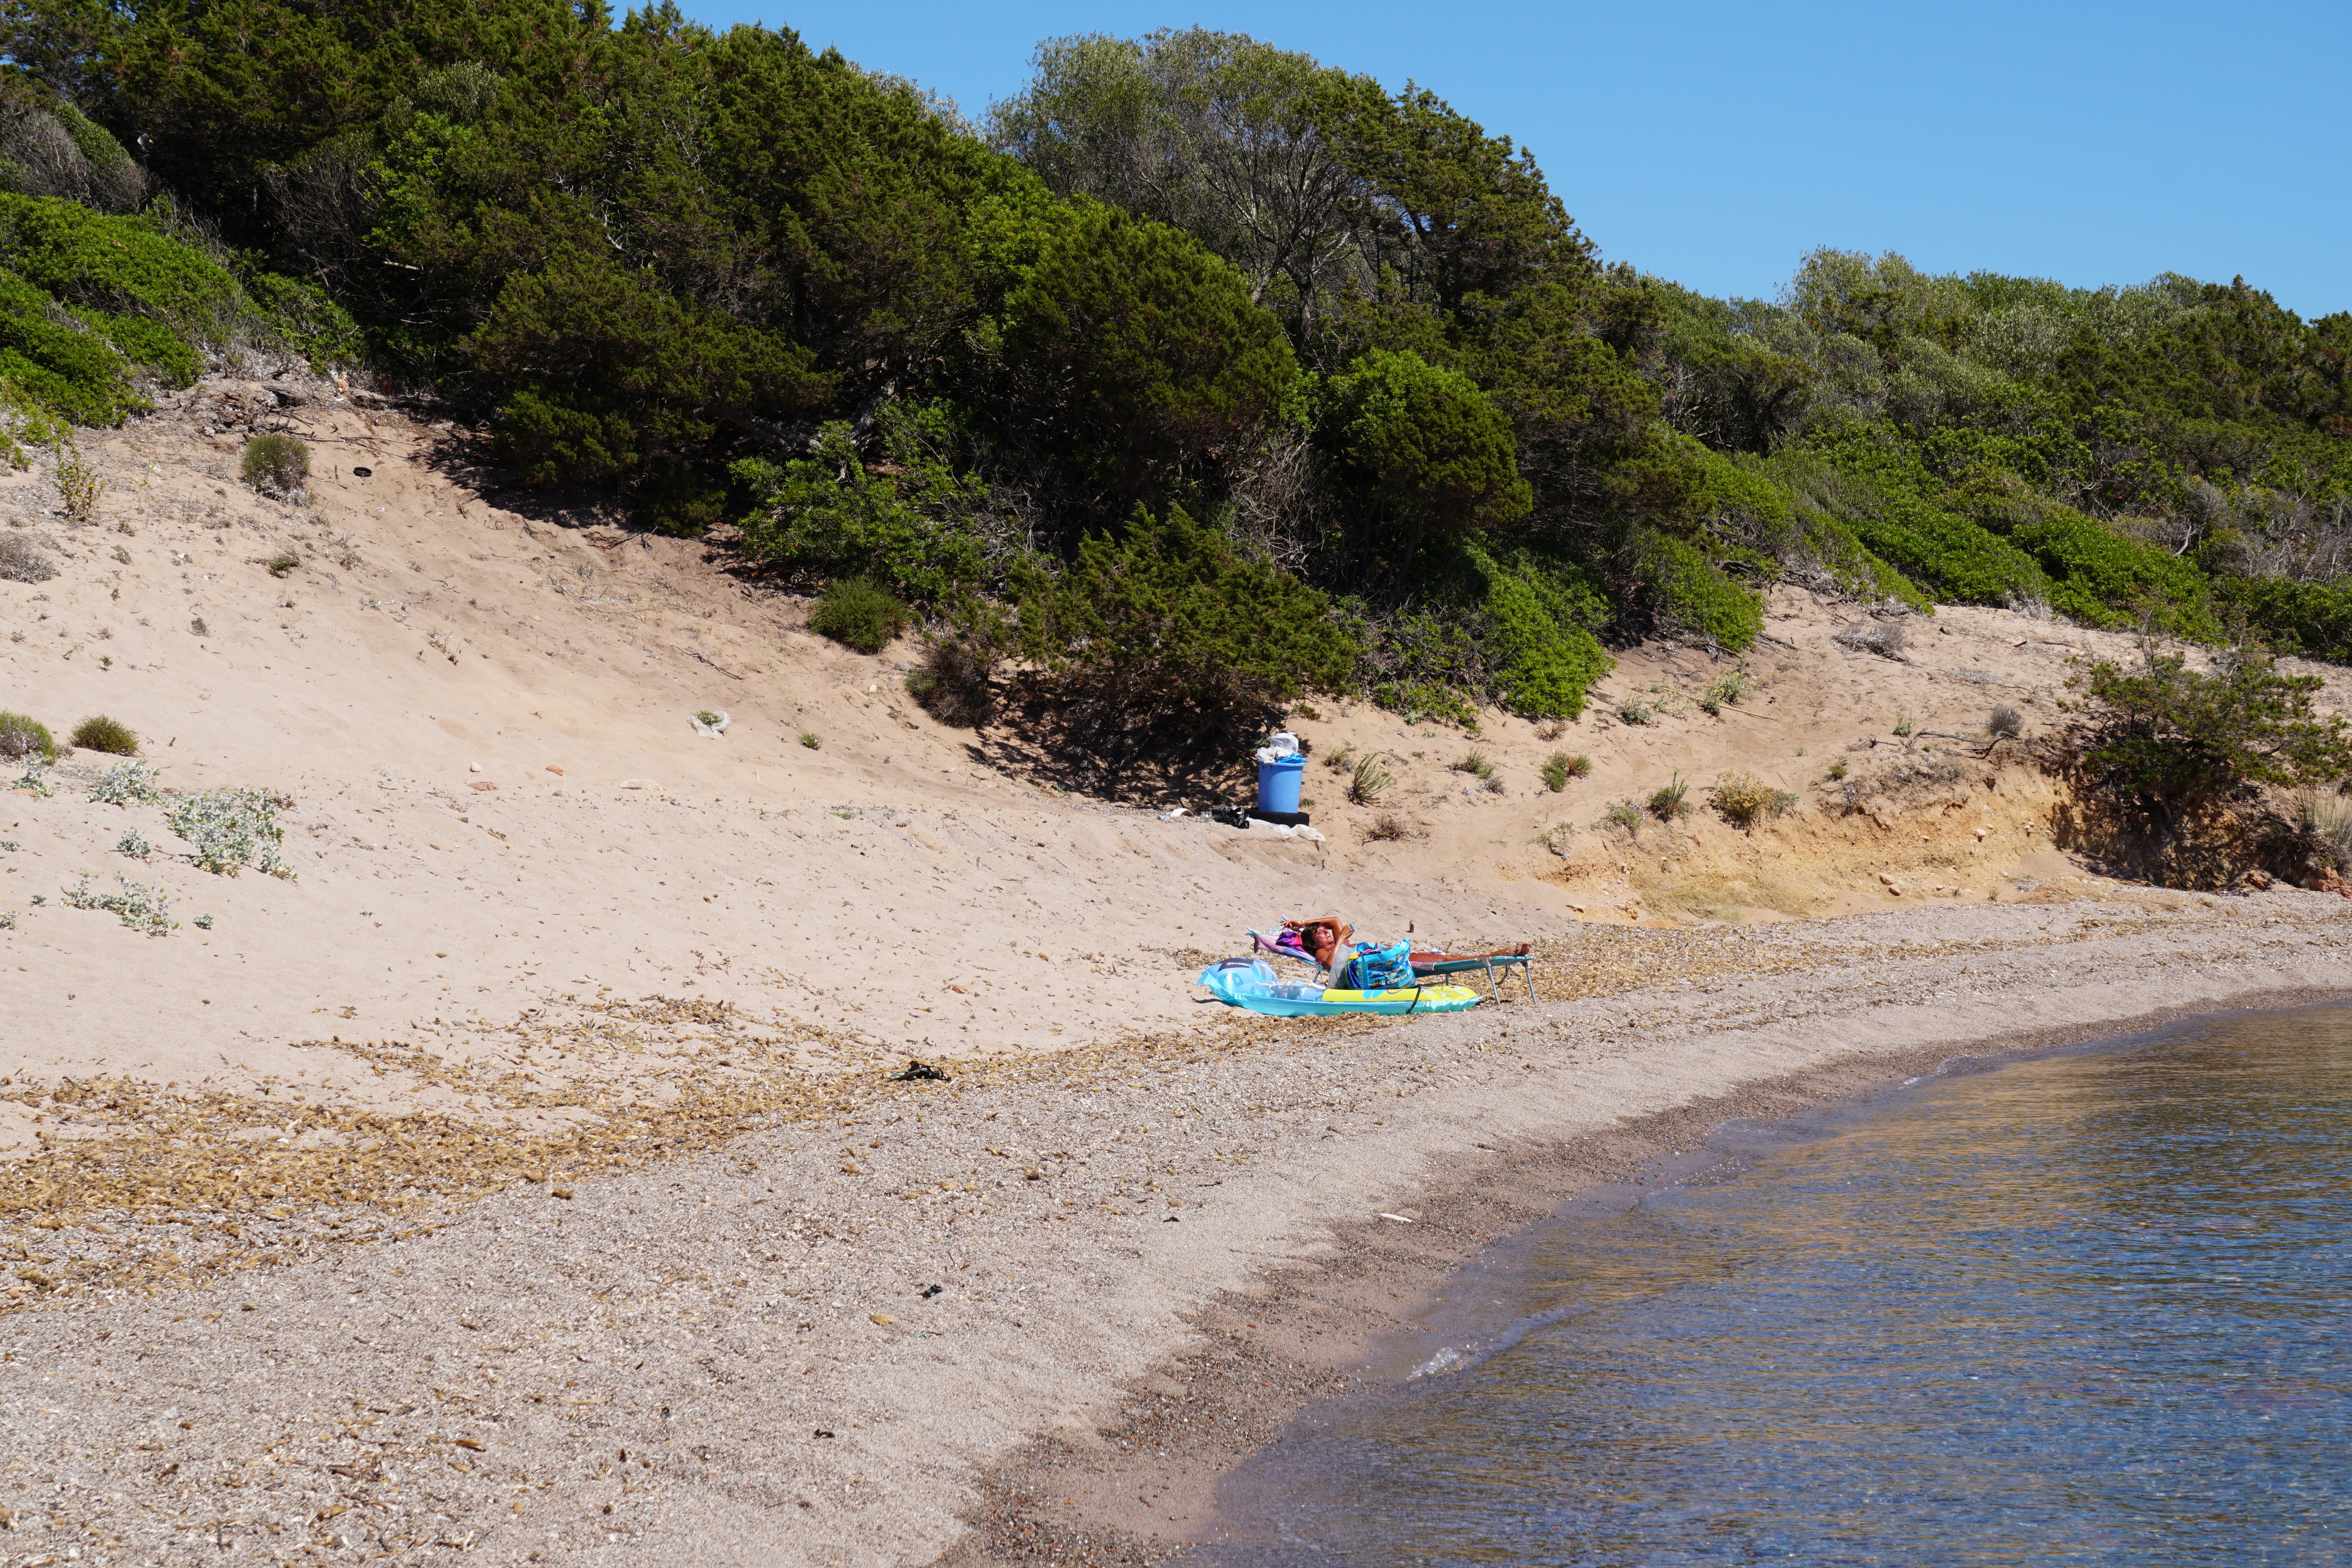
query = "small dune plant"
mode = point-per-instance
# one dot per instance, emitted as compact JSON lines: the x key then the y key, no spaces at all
{"x":23,"y":736}
{"x":281,"y":563}
{"x":1476,"y":764}
{"x":859,"y":614}
{"x":230,"y":830}
{"x":1727,"y":688}
{"x":1903,"y":724}
{"x":127,"y":784}
{"x":1386,"y":827}
{"x":277,"y":464}
{"x":809,"y":739}
{"x":100,"y":733}
{"x":1670,"y":801}
{"x":1635,"y":711}
{"x":1560,"y":768}
{"x":21,"y":560}
{"x":1743,"y":800}
{"x":2005,"y":724}
{"x":79,"y":486}
{"x":138,"y":905}
{"x":1368,"y":781}
{"x":1621,"y":814}
{"x":954,"y":684}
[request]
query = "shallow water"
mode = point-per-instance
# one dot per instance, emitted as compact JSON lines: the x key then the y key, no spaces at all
{"x":2094,"y":1308}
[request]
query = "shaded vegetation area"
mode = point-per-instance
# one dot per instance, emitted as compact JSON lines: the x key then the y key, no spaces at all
{"x":1199,"y":376}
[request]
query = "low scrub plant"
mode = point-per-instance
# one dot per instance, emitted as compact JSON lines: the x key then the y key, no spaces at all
{"x":277,"y":464}
{"x":956,"y":683}
{"x":1560,"y":768}
{"x":2325,"y":820}
{"x":78,"y":482}
{"x":859,"y":614}
{"x":21,"y":560}
{"x":2005,"y":724}
{"x":1386,"y":827}
{"x":1341,"y":760}
{"x":1885,"y":638}
{"x":1743,"y":800}
{"x":1726,"y":688}
{"x":132,"y":845}
{"x":1368,"y":781}
{"x":1903,"y":724}
{"x":100,"y":733}
{"x":21,"y":736}
{"x":230,"y":830}
{"x":139,"y":906}
{"x":1635,"y":711}
{"x":809,"y":739}
{"x":127,"y":784}
{"x":1669,"y":801}
{"x":1476,"y":764}
{"x":1621,"y":814}
{"x":281,"y":563}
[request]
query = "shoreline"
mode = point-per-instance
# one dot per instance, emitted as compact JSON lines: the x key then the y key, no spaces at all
{"x":1312,"y":1330}
{"x":962,"y":1321}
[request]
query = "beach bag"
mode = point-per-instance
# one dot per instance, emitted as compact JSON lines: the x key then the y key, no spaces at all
{"x":1376,"y":968}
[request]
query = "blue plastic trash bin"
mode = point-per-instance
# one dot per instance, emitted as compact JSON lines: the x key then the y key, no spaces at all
{"x":1278,"y":783}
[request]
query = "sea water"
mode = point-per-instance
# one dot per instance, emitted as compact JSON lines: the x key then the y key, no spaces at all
{"x":2090,"y":1308}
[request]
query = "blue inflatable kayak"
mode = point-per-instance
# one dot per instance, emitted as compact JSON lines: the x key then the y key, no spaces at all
{"x":1252,"y":983}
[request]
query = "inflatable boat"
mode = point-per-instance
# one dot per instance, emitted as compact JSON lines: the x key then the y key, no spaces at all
{"x":1252,"y":983}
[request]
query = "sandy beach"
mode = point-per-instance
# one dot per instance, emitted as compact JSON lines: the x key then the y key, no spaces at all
{"x":526,"y":1180}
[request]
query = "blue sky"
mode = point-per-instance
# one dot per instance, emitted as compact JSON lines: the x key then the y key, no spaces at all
{"x":1715,"y":144}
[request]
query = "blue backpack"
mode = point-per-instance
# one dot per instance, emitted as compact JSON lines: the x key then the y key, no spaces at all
{"x":1376,"y":968}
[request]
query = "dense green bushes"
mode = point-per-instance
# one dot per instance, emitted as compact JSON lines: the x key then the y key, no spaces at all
{"x":1167,"y":634}
{"x":857,"y":614}
{"x":1347,"y":351}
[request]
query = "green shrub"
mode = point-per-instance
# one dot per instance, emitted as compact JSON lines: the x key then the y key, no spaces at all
{"x":78,"y":482}
{"x":1743,"y":800}
{"x":1497,"y":622}
{"x":2310,"y":619}
{"x":136,"y":904}
{"x":100,"y":733}
{"x":2177,"y":741}
{"x":2102,"y":578}
{"x":1621,"y":814}
{"x":955,"y":682}
{"x":1368,"y":781}
{"x":809,"y":739}
{"x":21,"y":736}
{"x":1669,"y":801}
{"x":1726,"y":688}
{"x":914,"y":531}
{"x":276,"y":464}
{"x":1560,"y":768}
{"x":127,"y":784}
{"x":859,"y":615}
{"x":1139,"y":349}
{"x":1476,"y":764}
{"x":1689,"y":596}
{"x":1169,"y":627}
{"x":231,"y":829}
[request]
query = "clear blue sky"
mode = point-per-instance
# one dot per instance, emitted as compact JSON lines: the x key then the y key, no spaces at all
{"x":1715,"y":144}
